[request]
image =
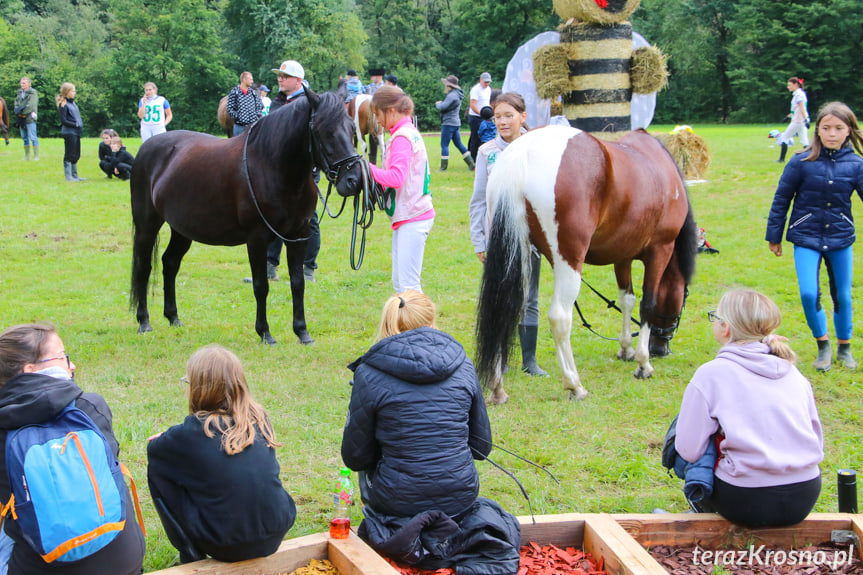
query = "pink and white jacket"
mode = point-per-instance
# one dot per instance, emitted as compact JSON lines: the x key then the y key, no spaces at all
{"x":405,"y":176}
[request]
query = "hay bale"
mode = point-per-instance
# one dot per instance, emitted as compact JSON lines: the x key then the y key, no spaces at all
{"x":551,"y":71}
{"x":649,"y":71}
{"x":689,"y":151}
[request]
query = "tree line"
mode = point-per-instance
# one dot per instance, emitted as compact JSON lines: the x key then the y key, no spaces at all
{"x":729,"y":59}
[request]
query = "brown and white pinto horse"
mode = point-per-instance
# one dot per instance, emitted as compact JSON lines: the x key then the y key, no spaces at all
{"x":365,"y":123}
{"x":4,"y":120}
{"x":225,"y":120}
{"x":581,"y":200}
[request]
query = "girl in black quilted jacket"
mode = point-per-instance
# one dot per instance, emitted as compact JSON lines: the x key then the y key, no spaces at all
{"x":417,"y":416}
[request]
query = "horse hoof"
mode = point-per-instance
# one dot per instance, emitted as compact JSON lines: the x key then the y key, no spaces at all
{"x":577,"y":394}
{"x":176,"y":322}
{"x":626,"y":354}
{"x":660,"y":350}
{"x":499,"y":397}
{"x":305,"y":338}
{"x":643,"y":372}
{"x":144,"y":328}
{"x":268,"y":339}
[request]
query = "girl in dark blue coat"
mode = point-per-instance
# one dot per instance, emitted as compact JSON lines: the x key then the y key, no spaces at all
{"x":71,"y":128}
{"x":417,"y":416}
{"x":820,"y":181}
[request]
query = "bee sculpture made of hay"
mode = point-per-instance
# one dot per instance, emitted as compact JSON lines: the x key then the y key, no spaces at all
{"x":594,"y":68}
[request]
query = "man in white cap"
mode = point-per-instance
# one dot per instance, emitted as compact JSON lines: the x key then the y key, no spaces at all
{"x":291,"y":77}
{"x":480,"y":96}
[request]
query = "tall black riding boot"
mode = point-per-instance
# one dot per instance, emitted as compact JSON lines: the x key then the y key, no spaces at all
{"x":825,"y":355}
{"x":527,"y":335}
{"x":782,"y":153}
{"x":444,"y":162}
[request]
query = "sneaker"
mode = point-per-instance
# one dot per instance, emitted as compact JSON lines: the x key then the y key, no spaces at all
{"x":309,"y":273}
{"x":272,"y":272}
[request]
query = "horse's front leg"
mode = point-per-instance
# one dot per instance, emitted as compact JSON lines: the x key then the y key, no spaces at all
{"x":257,"y":251}
{"x":177,"y":248}
{"x":296,"y":254}
{"x":567,"y":283}
{"x":626,"y":297}
{"x":642,"y":352}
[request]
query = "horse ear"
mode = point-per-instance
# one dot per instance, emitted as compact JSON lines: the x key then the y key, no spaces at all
{"x":314,"y":98}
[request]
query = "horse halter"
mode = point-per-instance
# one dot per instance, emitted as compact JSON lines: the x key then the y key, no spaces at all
{"x":332,"y":170}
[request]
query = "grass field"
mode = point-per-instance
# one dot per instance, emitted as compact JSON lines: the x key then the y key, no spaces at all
{"x":65,"y":257}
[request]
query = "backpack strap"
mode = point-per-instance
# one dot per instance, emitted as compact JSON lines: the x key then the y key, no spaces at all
{"x":5,"y":509}
{"x":128,"y":474}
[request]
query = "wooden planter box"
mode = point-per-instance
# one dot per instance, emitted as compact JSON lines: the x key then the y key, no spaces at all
{"x":596,"y":533}
{"x":351,"y":556}
{"x":712,"y":532}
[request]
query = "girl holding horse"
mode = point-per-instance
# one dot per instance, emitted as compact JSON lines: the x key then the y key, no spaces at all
{"x":510,"y":116}
{"x":71,"y":129}
{"x":405,"y":179}
{"x":763,"y":410}
{"x":214,"y":478}
{"x":820,"y":181}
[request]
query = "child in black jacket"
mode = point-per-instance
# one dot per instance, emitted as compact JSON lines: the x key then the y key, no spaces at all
{"x":121,"y":160}
{"x":105,"y":152}
{"x":214,"y":478}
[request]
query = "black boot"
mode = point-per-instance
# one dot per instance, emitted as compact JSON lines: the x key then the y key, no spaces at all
{"x":782,"y":153}
{"x":527,"y":336}
{"x":67,"y":170}
{"x":444,"y":163}
{"x":825,"y":355}
{"x":843,"y":356}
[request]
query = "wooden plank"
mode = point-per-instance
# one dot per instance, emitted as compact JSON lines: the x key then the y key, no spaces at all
{"x":621,"y":554}
{"x":712,"y":531}
{"x":566,"y":529}
{"x":857,"y":527}
{"x":291,"y":554}
{"x":352,"y":556}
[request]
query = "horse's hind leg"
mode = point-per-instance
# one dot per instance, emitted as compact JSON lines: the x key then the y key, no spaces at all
{"x":296,"y":254}
{"x":567,"y":283}
{"x":623,"y":273}
{"x":177,"y":248}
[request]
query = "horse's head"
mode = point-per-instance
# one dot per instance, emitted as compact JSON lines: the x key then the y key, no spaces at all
{"x":333,"y":148}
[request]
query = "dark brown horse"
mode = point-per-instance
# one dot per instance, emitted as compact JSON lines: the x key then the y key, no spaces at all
{"x":4,"y":120}
{"x":365,"y":123}
{"x":245,"y":190}
{"x":225,"y":120}
{"x":581,"y":200}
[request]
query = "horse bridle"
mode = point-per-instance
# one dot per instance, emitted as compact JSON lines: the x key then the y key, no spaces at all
{"x":332,"y":170}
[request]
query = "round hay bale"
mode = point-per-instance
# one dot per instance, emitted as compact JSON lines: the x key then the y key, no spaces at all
{"x":649,"y":71}
{"x":551,"y":70}
{"x":590,"y":11}
{"x":689,"y":151}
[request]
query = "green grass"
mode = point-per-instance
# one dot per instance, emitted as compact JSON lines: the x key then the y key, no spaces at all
{"x":65,"y":257}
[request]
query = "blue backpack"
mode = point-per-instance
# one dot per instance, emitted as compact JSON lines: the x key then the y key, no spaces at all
{"x":68,"y":492}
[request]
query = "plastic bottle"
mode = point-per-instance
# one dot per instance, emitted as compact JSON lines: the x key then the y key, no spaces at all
{"x":343,"y":498}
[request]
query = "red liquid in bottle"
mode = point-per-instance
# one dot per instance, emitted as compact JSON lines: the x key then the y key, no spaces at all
{"x":340,"y":527}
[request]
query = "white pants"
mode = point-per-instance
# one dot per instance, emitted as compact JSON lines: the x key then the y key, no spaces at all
{"x":409,"y":244}
{"x":795,"y":129}
{"x":150,"y":130}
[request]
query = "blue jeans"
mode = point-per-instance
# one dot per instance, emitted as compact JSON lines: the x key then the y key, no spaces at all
{"x":238,"y":129}
{"x":28,"y":134}
{"x":450,"y":134}
{"x":839,"y":264}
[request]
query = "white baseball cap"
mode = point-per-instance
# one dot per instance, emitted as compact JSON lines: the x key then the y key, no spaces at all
{"x":291,"y":68}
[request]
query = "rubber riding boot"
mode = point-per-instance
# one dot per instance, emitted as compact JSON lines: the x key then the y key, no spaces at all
{"x":527,"y":335}
{"x":843,"y":356}
{"x":444,"y":163}
{"x":825,"y":355}
{"x":75,"y":173}
{"x":272,"y":272}
{"x":782,"y":153}
{"x":26,"y":153}
{"x":35,"y":153}
{"x":469,"y":161}
{"x":67,"y":169}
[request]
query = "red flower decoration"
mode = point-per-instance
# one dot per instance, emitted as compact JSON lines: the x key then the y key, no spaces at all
{"x":602,"y":3}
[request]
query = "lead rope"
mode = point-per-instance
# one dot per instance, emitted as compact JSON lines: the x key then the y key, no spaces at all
{"x":252,"y":191}
{"x":610,"y":304}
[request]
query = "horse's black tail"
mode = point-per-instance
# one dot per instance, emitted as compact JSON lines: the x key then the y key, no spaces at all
{"x":686,"y":245}
{"x":502,"y":291}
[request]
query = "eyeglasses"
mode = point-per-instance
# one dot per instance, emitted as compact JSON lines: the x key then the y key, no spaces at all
{"x":711,"y":315}
{"x":184,"y":381}
{"x":64,"y":356}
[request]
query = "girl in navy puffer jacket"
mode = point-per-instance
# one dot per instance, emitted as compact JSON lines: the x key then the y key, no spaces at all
{"x":821,"y":180}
